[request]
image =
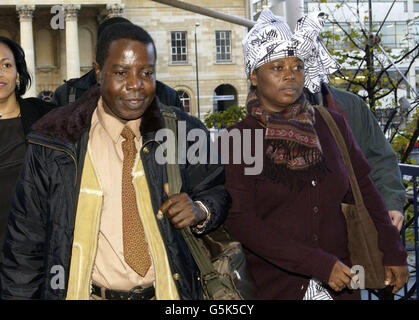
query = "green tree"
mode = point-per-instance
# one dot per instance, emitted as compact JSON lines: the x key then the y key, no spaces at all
{"x":366,"y":65}
{"x":223,"y":119}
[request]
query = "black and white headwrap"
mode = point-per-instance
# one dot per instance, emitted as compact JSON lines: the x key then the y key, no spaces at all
{"x":271,"y":38}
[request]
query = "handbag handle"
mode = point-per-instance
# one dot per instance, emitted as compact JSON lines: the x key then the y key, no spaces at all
{"x":340,"y":141}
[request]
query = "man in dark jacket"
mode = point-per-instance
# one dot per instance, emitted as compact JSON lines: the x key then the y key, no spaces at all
{"x":76,"y":229}
{"x":73,"y":89}
{"x":378,"y":151}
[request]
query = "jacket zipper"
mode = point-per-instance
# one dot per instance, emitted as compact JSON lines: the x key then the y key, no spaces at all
{"x":135,"y":187}
{"x":62,"y":150}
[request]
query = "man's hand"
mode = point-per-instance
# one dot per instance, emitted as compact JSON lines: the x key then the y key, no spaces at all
{"x":340,"y":277}
{"x":396,"y":218}
{"x":182,"y":211}
{"x":396,"y":276}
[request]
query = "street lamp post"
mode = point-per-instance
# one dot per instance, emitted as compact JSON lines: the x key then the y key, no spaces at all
{"x":196,"y":71}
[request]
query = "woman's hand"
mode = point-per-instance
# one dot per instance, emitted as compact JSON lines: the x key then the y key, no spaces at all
{"x":396,"y":218}
{"x":396,"y":276}
{"x":340,"y":277}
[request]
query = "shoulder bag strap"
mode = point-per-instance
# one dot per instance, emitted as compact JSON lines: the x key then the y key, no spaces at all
{"x":203,"y":262}
{"x":340,"y":141}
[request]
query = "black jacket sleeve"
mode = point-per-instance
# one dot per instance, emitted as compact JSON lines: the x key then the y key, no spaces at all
{"x":23,"y":267}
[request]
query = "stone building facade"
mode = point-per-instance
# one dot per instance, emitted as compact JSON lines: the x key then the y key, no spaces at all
{"x":59,"y":39}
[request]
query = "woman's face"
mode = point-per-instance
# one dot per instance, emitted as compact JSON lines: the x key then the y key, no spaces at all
{"x":8,"y":72}
{"x":279,"y":83}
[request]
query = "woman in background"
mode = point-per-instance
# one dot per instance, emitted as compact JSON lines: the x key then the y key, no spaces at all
{"x":16,"y":118}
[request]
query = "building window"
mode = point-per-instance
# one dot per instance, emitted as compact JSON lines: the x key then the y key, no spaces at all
{"x":225,"y":96}
{"x":394,"y":34}
{"x":261,"y":4}
{"x":335,"y":37}
{"x":223,"y":46}
{"x":185,"y":99}
{"x":416,"y":6}
{"x":178,"y":44}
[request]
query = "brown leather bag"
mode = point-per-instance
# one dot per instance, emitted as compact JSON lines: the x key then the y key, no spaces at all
{"x":362,"y":233}
{"x":219,"y":257}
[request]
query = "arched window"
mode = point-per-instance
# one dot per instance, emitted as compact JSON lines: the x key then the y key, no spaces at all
{"x":225,"y":95}
{"x":185,"y":99}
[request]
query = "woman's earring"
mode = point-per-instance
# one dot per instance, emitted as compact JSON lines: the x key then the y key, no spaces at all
{"x":18,"y":85}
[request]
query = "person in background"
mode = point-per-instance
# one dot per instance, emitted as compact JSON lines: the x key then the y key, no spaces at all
{"x":92,"y":197}
{"x":16,"y":118}
{"x":46,"y":95}
{"x":385,"y":170}
{"x":289,"y":217}
{"x":73,"y":89}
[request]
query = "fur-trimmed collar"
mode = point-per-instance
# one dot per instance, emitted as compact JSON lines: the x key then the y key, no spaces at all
{"x":68,"y":123}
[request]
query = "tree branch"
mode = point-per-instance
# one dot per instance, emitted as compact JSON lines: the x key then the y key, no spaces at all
{"x":399,"y":60}
{"x":411,"y":143}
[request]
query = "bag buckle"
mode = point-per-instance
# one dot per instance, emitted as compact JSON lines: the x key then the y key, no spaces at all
{"x":210,"y":276}
{"x":135,"y":293}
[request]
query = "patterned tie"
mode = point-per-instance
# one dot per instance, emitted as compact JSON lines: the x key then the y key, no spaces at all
{"x":135,"y":246}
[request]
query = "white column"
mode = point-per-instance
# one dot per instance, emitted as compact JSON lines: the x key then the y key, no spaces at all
{"x":26,"y":41}
{"x":72,"y":40}
{"x":115,"y":10}
{"x":294,"y":11}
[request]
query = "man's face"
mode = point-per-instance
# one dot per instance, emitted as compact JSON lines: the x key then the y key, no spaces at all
{"x":127,"y":79}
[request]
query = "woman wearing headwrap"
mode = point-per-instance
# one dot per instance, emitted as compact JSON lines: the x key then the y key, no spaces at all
{"x":288,"y":218}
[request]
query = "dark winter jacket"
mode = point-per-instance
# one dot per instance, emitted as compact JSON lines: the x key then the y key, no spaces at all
{"x":33,"y":109}
{"x":42,"y":218}
{"x":73,"y":89}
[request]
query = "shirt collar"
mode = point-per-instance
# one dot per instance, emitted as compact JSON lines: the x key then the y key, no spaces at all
{"x":114,"y":126}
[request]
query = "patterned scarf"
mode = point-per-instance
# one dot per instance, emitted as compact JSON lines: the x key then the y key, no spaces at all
{"x":293,"y":146}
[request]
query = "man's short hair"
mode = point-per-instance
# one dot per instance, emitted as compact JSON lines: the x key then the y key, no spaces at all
{"x":109,"y":21}
{"x":119,"y":31}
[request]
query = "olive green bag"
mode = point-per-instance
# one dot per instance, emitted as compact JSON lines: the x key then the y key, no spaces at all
{"x":362,"y":234}
{"x":220,"y":258}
